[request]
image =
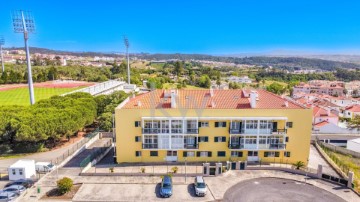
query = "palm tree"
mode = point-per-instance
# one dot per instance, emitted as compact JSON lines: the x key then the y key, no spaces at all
{"x":299,"y":164}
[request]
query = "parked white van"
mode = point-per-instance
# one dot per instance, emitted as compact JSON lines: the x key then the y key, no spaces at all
{"x":44,"y":167}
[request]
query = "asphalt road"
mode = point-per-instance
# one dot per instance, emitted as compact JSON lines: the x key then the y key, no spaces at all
{"x":280,"y":190}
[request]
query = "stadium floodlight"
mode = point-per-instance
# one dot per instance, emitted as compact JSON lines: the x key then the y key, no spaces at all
{"x":2,"y":42}
{"x":126,"y":43}
{"x":23,"y":22}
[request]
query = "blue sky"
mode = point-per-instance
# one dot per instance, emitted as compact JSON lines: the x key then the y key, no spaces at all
{"x":190,"y":26}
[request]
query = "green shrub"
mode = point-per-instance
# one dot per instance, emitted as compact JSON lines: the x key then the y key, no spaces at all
{"x":142,"y":170}
{"x":64,"y":185}
{"x":5,"y":149}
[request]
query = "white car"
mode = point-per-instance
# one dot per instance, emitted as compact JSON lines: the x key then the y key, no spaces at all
{"x":44,"y":167}
{"x":17,"y":189}
{"x":7,"y":196}
{"x":200,"y":186}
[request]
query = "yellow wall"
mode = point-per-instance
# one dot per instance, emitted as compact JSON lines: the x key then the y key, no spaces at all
{"x":298,"y":145}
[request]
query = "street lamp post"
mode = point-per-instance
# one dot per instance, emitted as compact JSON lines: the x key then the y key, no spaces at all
{"x":185,"y":170}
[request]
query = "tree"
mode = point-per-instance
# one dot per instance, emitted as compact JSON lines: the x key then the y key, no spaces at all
{"x":64,"y":185}
{"x":204,"y":81}
{"x":354,"y":123}
{"x":179,"y":68}
{"x":276,"y":88}
{"x":299,"y":164}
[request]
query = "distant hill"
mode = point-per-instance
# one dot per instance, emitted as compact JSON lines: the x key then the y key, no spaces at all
{"x":328,"y":63}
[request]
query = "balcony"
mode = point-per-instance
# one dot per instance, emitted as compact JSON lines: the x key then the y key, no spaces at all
{"x":279,"y":131}
{"x":192,"y":131}
{"x":277,"y":146}
{"x":150,"y":146}
{"x":151,"y":130}
{"x":176,"y":130}
{"x":235,"y":131}
{"x":236,"y":145}
{"x":191,"y":146}
{"x":258,"y":131}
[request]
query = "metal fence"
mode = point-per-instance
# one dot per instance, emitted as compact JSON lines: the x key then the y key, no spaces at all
{"x":73,"y":149}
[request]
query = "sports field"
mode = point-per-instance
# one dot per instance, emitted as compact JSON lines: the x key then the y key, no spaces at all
{"x":20,"y":96}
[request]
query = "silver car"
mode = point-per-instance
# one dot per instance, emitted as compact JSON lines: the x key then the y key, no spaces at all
{"x":7,"y":196}
{"x":200,"y":186}
{"x":17,"y":189}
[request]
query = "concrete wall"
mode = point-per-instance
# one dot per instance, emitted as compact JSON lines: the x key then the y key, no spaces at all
{"x":353,"y":146}
{"x":341,"y":150}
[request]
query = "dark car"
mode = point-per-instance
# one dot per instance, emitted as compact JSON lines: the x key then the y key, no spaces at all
{"x":27,"y":183}
{"x":166,"y":186}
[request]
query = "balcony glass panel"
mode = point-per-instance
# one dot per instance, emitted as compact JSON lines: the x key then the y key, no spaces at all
{"x":176,"y":126}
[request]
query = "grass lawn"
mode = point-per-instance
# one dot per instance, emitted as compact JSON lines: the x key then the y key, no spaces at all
{"x":20,"y":96}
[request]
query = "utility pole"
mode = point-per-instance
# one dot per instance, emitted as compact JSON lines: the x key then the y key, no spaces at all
{"x":23,"y":22}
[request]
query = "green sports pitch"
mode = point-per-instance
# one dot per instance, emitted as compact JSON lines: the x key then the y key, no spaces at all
{"x":20,"y":96}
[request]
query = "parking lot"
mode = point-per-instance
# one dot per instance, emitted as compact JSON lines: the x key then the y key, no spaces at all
{"x":136,"y":192}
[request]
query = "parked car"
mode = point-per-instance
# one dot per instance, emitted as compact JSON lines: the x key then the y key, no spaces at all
{"x":27,"y":183}
{"x":17,"y":189}
{"x":166,"y":186}
{"x":44,"y":167}
{"x":7,"y":196}
{"x":200,"y":186}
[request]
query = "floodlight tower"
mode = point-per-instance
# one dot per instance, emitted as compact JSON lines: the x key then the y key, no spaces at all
{"x":23,"y":22}
{"x":2,"y":42}
{"x":126,"y":42}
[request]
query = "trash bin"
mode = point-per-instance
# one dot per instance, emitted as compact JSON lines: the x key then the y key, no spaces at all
{"x":38,"y":190}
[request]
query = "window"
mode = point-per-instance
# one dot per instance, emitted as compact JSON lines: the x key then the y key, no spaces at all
{"x":251,"y":124}
{"x":236,"y":154}
{"x":13,"y":171}
{"x":271,"y":154}
{"x":203,"y":154}
{"x":188,"y":154}
{"x":287,"y":154}
{"x":137,"y":123}
{"x":137,"y":138}
{"x":204,"y":124}
{"x":286,"y":139}
{"x":221,"y":153}
{"x":252,"y":153}
{"x":153,"y":153}
{"x":20,"y":171}
{"x":220,"y":124}
{"x":289,"y":124}
{"x":220,"y":139}
{"x":203,"y":139}
{"x":137,"y":153}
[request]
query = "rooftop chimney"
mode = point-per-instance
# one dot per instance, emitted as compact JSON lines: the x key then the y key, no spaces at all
{"x":139,"y":103}
{"x":211,"y":92}
{"x":173,"y":99}
{"x":213,"y":104}
{"x":253,"y":98}
{"x":328,"y":111}
{"x":286,"y":104}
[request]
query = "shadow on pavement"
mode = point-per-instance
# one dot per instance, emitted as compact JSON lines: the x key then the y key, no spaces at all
{"x":191,"y":190}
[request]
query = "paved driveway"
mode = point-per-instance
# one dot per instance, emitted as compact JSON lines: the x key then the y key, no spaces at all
{"x":315,"y":159}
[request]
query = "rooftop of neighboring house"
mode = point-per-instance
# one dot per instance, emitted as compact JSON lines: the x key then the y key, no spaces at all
{"x":321,"y":112}
{"x":353,"y":108}
{"x":209,"y":99}
{"x":321,"y":124}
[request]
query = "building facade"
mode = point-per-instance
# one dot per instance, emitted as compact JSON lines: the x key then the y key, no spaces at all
{"x":211,"y":125}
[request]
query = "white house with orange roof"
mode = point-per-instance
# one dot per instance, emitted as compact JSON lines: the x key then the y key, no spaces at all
{"x":320,"y":115}
{"x":352,"y":111}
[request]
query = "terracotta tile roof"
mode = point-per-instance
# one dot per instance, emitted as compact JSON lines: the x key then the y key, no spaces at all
{"x":353,"y":108}
{"x":321,"y":124}
{"x":198,"y":99}
{"x":318,"y":111}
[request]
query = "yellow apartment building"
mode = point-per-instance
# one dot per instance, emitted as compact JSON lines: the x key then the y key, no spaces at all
{"x":211,"y":126}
